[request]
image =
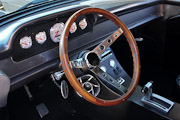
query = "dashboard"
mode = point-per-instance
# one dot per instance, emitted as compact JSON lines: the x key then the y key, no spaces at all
{"x":29,"y":45}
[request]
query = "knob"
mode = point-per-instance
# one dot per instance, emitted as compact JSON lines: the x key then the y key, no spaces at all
{"x":147,"y":87}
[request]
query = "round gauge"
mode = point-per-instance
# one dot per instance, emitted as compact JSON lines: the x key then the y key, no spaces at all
{"x":83,"y":24}
{"x":25,"y":42}
{"x":56,"y":31}
{"x":73,"y":28}
{"x":41,"y":37}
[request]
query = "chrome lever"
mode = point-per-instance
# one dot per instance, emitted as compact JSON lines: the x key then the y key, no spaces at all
{"x":147,"y":90}
{"x":155,"y":101}
{"x":139,"y":39}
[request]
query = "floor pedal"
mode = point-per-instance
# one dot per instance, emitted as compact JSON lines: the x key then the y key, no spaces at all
{"x":28,"y":92}
{"x":42,"y":110}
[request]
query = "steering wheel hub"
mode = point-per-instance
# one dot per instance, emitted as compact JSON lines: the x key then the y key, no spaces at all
{"x":87,"y":86}
{"x":92,"y":60}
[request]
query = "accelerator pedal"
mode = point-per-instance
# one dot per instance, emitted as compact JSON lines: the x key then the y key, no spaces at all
{"x":42,"y":110}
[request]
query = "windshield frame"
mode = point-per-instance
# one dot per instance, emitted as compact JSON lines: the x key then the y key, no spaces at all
{"x":56,"y":4}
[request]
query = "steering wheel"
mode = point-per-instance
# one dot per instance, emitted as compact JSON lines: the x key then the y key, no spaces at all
{"x":91,"y":59}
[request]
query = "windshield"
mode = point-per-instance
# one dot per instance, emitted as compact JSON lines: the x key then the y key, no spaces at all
{"x":8,"y":6}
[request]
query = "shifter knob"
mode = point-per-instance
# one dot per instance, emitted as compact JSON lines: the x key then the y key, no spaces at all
{"x":147,"y":89}
{"x":144,"y":90}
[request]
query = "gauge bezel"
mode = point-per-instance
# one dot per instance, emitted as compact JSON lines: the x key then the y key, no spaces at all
{"x":22,"y":40}
{"x":52,"y":29}
{"x":86,"y":23}
{"x":42,"y":41}
{"x":75,"y":29}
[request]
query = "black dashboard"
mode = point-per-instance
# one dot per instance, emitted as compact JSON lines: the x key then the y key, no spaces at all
{"x":32,"y":29}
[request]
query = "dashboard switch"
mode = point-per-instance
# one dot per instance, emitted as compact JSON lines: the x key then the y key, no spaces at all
{"x":112,"y":63}
{"x":115,"y":72}
{"x":103,"y":68}
{"x":118,"y":69}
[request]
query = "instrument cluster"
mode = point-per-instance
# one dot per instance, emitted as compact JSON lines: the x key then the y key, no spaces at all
{"x":44,"y":34}
{"x":55,"y":32}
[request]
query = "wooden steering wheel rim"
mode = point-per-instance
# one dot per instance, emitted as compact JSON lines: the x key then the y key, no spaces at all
{"x":63,"y":53}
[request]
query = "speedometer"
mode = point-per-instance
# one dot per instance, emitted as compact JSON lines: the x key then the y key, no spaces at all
{"x":56,"y":31}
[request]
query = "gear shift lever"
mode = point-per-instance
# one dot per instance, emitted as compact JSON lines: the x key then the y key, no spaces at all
{"x":147,"y":90}
{"x":155,"y":101}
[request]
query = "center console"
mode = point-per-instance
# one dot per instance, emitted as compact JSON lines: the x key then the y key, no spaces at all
{"x":117,"y":75}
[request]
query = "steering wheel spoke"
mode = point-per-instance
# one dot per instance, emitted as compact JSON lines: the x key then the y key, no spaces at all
{"x":107,"y":79}
{"x":101,"y":48}
{"x":77,"y":63}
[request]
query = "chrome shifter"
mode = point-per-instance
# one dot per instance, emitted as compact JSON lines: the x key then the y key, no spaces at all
{"x":155,"y":101}
{"x":147,"y":90}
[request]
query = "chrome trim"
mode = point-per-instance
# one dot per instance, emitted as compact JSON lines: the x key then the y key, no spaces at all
{"x":89,"y":65}
{"x":64,"y":89}
{"x":83,"y":62}
{"x":78,"y":63}
{"x":105,"y":77}
{"x":156,"y":105}
{"x":93,"y":91}
{"x":58,"y":75}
